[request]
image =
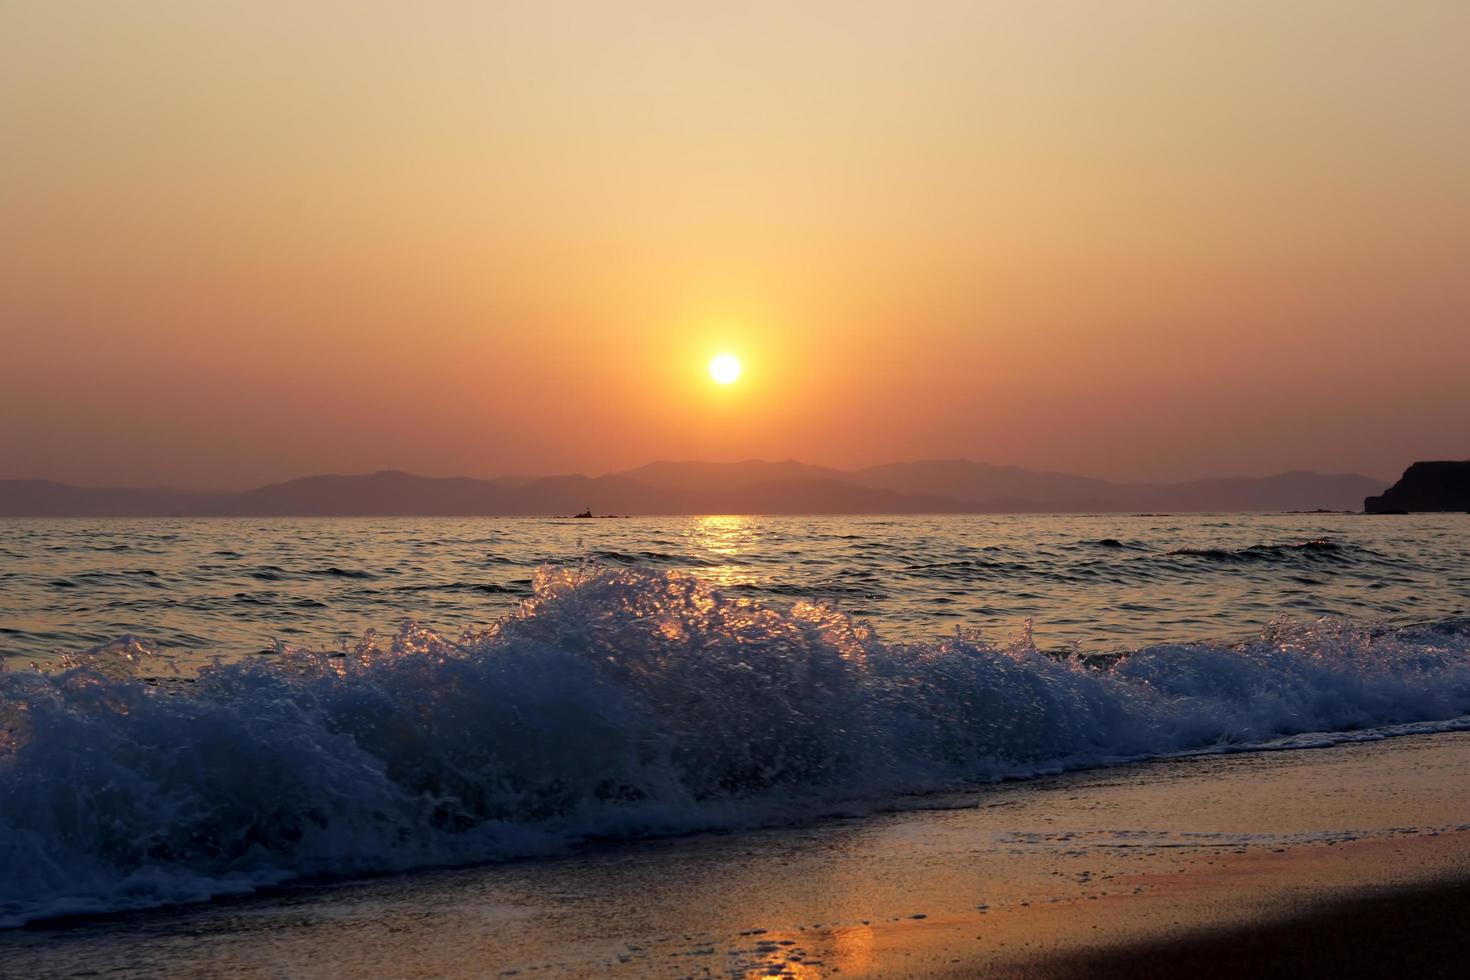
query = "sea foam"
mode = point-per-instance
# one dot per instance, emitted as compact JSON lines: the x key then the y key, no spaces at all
{"x":617,"y":703}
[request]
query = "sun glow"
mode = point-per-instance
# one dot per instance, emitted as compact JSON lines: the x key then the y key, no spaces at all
{"x":725,"y":368}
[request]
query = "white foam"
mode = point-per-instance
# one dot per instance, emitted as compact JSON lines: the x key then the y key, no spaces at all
{"x":618,"y":703}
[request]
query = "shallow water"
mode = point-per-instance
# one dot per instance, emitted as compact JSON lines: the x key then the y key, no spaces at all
{"x":1048,"y":866}
{"x":198,"y":588}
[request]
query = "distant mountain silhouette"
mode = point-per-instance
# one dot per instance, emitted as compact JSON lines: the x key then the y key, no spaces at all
{"x":697,"y":476}
{"x":749,"y":487}
{"x":1013,"y":489}
{"x":1439,"y":485}
{"x":987,"y":487}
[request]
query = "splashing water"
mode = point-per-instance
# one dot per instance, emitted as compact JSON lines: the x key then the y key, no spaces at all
{"x":617,"y":702}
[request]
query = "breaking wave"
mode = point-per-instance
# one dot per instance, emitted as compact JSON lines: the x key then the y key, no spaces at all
{"x":617,"y":703}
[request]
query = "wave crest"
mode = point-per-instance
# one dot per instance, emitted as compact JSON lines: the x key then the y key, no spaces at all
{"x":618,"y":702}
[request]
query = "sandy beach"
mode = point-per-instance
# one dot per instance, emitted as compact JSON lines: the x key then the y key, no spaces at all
{"x":1348,"y":858}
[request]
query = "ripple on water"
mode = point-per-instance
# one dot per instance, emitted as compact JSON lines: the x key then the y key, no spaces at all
{"x":1101,"y":581}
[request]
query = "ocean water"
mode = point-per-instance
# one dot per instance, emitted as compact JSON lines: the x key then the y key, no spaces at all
{"x":207,"y":729}
{"x":203,"y":588}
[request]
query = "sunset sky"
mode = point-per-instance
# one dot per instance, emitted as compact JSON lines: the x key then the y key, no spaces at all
{"x":244,"y":242}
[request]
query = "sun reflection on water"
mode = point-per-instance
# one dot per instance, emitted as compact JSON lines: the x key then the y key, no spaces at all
{"x":726,"y":541}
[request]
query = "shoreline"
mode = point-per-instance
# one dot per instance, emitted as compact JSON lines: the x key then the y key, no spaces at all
{"x":1353,"y":909}
{"x":1083,"y":874}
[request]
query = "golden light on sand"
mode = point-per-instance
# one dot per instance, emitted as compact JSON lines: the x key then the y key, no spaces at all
{"x":724,"y":368}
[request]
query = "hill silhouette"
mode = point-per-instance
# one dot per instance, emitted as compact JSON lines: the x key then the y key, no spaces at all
{"x":1435,"y":485}
{"x":692,"y":487}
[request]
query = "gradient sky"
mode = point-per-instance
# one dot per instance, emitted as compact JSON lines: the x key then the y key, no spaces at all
{"x":242,"y":242}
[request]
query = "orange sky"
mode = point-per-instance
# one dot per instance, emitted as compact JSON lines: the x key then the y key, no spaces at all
{"x":251,"y":241}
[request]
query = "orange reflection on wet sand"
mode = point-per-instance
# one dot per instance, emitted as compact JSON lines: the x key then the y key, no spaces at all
{"x":811,"y":953}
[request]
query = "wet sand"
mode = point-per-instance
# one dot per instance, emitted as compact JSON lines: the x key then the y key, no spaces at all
{"x":1337,"y":861}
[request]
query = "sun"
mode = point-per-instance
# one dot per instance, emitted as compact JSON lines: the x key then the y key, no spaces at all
{"x":725,"y":368}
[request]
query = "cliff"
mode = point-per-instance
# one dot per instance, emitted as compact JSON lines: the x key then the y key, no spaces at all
{"x":1442,"y":485}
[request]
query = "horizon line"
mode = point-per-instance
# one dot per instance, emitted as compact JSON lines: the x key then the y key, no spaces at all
{"x":627,"y":471}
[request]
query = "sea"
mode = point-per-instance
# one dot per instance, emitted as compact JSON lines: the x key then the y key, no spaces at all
{"x":196,"y":708}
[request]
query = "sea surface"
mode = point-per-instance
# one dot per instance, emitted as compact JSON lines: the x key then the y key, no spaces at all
{"x":197,"y":708}
{"x":197,"y":589}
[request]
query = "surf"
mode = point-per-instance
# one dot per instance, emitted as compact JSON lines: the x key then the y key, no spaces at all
{"x":617,"y":702}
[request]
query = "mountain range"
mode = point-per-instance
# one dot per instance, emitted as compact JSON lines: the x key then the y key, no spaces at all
{"x":943,"y":486}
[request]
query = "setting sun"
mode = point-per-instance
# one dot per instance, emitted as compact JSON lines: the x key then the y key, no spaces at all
{"x":725,"y":368}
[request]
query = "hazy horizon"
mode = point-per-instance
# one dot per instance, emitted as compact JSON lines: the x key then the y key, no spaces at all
{"x":1137,"y":241}
{"x":598,"y":474}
